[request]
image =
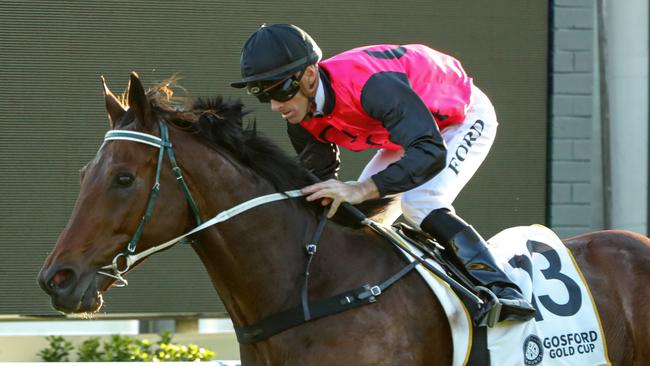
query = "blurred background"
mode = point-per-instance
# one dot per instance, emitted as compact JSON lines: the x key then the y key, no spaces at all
{"x":568,"y":79}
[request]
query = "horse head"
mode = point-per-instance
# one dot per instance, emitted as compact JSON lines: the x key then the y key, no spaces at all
{"x":114,"y":190}
{"x":224,"y":164}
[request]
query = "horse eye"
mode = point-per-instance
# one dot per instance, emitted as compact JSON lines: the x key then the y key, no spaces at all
{"x":124,"y":180}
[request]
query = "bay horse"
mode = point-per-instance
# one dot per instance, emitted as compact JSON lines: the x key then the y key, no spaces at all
{"x":256,"y":260}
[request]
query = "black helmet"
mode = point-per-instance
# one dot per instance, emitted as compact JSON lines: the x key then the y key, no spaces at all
{"x":276,"y":52}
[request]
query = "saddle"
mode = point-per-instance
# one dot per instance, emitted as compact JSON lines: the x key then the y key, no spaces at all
{"x":484,"y":306}
{"x":567,"y":308}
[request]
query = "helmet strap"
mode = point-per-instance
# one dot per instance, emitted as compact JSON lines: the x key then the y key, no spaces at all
{"x":311,"y":109}
{"x":310,"y":92}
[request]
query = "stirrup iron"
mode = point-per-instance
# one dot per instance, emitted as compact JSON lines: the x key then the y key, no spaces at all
{"x":488,"y":315}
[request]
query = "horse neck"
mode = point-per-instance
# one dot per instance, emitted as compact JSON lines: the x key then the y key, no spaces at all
{"x":256,"y":258}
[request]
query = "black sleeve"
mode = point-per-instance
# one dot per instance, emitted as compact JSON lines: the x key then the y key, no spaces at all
{"x":320,"y":158}
{"x":389,"y":98}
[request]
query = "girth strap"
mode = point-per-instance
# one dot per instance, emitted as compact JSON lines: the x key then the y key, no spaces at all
{"x":295,"y":316}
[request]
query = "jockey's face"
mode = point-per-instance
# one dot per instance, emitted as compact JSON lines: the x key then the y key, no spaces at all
{"x":295,"y":109}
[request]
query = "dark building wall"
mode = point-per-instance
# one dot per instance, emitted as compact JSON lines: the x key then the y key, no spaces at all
{"x":53,"y":119}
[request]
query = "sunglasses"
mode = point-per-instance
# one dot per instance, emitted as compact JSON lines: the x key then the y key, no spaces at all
{"x":280,"y":91}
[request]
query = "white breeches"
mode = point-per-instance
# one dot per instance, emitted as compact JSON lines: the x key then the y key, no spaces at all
{"x":468,"y":144}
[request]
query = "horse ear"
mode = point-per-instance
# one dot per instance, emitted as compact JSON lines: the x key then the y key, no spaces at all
{"x":139,"y":103}
{"x":114,"y":108}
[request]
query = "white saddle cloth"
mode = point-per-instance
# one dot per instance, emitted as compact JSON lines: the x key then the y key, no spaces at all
{"x":566,"y":330}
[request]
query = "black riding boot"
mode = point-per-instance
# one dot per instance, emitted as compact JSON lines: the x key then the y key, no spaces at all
{"x":470,"y":248}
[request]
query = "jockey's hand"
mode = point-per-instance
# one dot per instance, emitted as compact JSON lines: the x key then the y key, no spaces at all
{"x":335,"y":192}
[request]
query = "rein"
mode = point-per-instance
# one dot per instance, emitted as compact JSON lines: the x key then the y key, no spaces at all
{"x":271,"y":325}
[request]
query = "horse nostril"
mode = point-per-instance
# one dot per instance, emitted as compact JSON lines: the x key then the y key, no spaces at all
{"x":61,"y":279}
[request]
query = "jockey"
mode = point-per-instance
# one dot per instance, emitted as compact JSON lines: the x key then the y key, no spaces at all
{"x":431,"y":125}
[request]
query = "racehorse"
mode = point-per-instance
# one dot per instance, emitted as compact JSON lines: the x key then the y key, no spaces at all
{"x":256,"y":260}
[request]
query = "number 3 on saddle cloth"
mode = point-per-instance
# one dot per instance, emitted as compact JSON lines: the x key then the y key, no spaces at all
{"x":566,"y":329}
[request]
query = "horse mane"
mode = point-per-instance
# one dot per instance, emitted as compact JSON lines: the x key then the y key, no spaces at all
{"x":220,"y":124}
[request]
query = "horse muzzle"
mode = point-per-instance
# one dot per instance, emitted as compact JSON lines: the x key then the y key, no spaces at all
{"x":71,"y":290}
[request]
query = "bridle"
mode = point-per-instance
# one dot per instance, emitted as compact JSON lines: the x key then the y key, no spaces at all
{"x":164,"y":145}
{"x":128,"y":256}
